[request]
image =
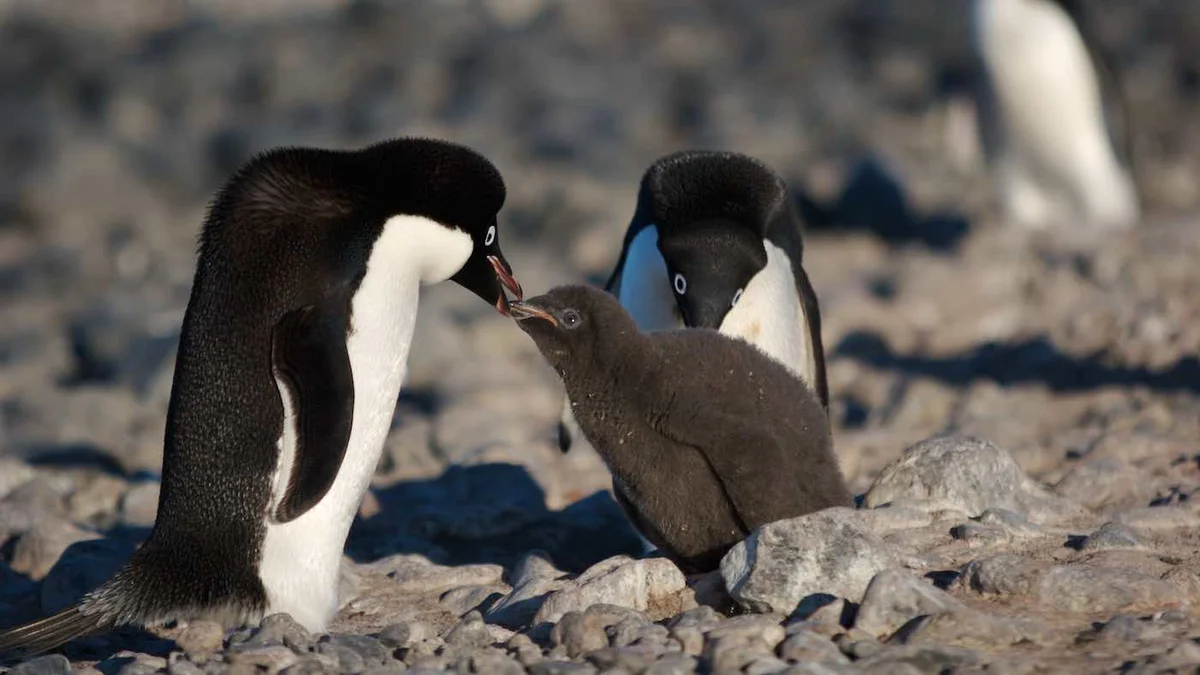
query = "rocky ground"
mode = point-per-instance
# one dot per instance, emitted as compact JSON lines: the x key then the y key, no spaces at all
{"x":1050,"y":528}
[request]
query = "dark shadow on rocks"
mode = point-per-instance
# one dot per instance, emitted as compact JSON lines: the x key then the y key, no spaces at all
{"x":74,"y":456}
{"x":1032,"y":360}
{"x":874,"y":200}
{"x":490,"y":513}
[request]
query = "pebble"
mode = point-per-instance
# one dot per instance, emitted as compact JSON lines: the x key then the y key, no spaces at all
{"x":1110,"y":535}
{"x":466,"y":598}
{"x":39,"y":549}
{"x":1105,"y":482}
{"x":966,"y":474}
{"x":416,"y":574}
{"x":371,"y":651}
{"x":405,"y":634}
{"x":468,"y":634}
{"x":579,"y":633}
{"x":534,"y":579}
{"x":139,"y":505}
{"x":281,"y":629}
{"x":806,"y":645}
{"x":622,"y":659}
{"x":53,"y":664}
{"x":673,"y":664}
{"x":561,"y":668}
{"x":895,"y":597}
{"x":274,"y":658}
{"x":653,"y":585}
{"x":495,"y":662}
{"x":201,"y":637}
{"x":827,"y":553}
{"x":347,"y":660}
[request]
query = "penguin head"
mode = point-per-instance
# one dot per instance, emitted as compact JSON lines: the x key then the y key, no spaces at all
{"x":712,"y":211}
{"x":574,"y":327}
{"x":456,"y":188}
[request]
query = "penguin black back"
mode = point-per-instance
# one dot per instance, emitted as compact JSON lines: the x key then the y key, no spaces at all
{"x":706,"y":436}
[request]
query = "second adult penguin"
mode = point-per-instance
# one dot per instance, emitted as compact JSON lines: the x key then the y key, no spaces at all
{"x":293,"y":348}
{"x":700,"y":456}
{"x":715,"y":242}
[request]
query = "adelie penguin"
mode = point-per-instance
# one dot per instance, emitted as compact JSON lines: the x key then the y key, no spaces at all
{"x":292,"y":353}
{"x":700,"y":456}
{"x":715,"y":242}
{"x":1040,"y":105}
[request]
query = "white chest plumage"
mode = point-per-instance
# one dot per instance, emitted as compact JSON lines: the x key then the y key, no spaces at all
{"x":301,"y":559}
{"x":1043,"y":125}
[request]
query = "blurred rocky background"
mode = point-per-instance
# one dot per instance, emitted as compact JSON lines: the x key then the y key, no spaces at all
{"x":120,"y":118}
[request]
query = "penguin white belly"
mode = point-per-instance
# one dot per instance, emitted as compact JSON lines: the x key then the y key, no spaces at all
{"x":1055,"y":159}
{"x":301,"y":559}
{"x":770,"y":316}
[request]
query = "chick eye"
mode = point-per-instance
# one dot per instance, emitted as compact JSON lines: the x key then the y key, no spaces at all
{"x":737,"y":296}
{"x":490,"y":237}
{"x":680,"y":284}
{"x":570,"y":318}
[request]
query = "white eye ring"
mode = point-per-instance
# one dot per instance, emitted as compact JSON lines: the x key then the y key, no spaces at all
{"x":680,"y":284}
{"x":737,"y":296}
{"x":490,"y":236}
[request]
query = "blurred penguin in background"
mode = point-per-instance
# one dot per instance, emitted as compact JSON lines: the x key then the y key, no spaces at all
{"x":1041,"y":117}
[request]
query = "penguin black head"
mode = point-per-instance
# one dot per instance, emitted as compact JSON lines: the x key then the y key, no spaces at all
{"x":353,"y":194}
{"x":575,"y":327}
{"x":712,"y":211}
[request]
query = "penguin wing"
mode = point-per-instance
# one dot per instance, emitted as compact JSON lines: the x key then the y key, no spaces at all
{"x":310,"y":356}
{"x":816,"y":350}
{"x":745,"y":460}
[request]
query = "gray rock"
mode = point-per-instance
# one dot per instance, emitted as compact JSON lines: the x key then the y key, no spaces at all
{"x":704,"y":618}
{"x":405,"y":634}
{"x":139,"y":505}
{"x":622,"y":659}
{"x":1105,"y":482}
{"x":967,"y":474}
{"x":894,"y":597}
{"x":309,"y":666}
{"x":1125,"y":628}
{"x":780,"y":564}
{"x":561,"y":668}
{"x":201,"y":637}
{"x":372,"y":651}
{"x":489,"y":661}
{"x":673,"y":664}
{"x":765,"y":665}
{"x":466,"y":598}
{"x":1105,"y":590}
{"x":690,"y":639}
{"x":183,"y":667}
{"x":736,"y":643}
{"x":968,"y":629}
{"x":1110,"y":535}
{"x":523,"y":648}
{"x":579,"y":633}
{"x":921,"y":658}
{"x":468,"y":634}
{"x":416,"y":574}
{"x":806,"y":645}
{"x":13,"y":474}
{"x":1159,"y":517}
{"x":53,"y":664}
{"x":1003,"y":574}
{"x":979,"y":533}
{"x":348,"y":660}
{"x":39,"y":549}
{"x":653,"y":585}
{"x":534,"y":579}
{"x":274,"y":658}
{"x":281,"y":629}
{"x":638,"y":632}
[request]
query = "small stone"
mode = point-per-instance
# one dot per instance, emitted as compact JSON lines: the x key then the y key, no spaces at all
{"x":622,"y":659}
{"x":273,"y":658}
{"x":764,"y":629}
{"x":704,"y":618}
{"x":1105,"y":482}
{"x":139,"y":505}
{"x":673,"y":664}
{"x":53,"y":664}
{"x":1104,"y":590}
{"x":372,"y":651}
{"x":1127,"y":628}
{"x":466,"y":598}
{"x":470,"y":633}
{"x":895,"y":597}
{"x":780,"y":564}
{"x":979,"y":533}
{"x":1110,"y":535}
{"x":653,"y":585}
{"x":348,"y":661}
{"x":416,"y":574}
{"x":739,"y":641}
{"x":561,"y":668}
{"x":921,"y":658}
{"x":690,"y":638}
{"x":765,"y":665}
{"x":309,"y":666}
{"x":967,"y":474}
{"x":405,"y":634}
{"x":637,"y":632}
{"x":493,"y":661}
{"x":281,"y":629}
{"x":180,"y":667}
{"x":1169,"y":517}
{"x":966,"y":628}
{"x":39,"y":549}
{"x":201,"y":637}
{"x":806,"y":645}
{"x":524,"y":649}
{"x":579,"y":633}
{"x":1003,"y":574}
{"x":534,"y":579}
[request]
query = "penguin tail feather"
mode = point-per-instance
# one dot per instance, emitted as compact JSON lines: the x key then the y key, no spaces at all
{"x":46,"y":634}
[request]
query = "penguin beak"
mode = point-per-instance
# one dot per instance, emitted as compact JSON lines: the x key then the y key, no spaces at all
{"x":523,"y":310}
{"x":507,"y":279}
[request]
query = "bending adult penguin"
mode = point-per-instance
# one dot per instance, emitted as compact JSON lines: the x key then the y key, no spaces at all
{"x":292,"y":353}
{"x":700,"y":456}
{"x":715,"y":243}
{"x":1041,"y":114}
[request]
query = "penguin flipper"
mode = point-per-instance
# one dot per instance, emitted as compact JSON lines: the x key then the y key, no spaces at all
{"x":310,"y":356}
{"x":46,"y":634}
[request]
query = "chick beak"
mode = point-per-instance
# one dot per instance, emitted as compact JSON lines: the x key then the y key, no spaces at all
{"x":522,"y":311}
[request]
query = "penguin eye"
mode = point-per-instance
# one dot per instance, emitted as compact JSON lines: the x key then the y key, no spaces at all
{"x":571,"y":318}
{"x":737,"y":296}
{"x":680,"y":284}
{"x":490,"y":237}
